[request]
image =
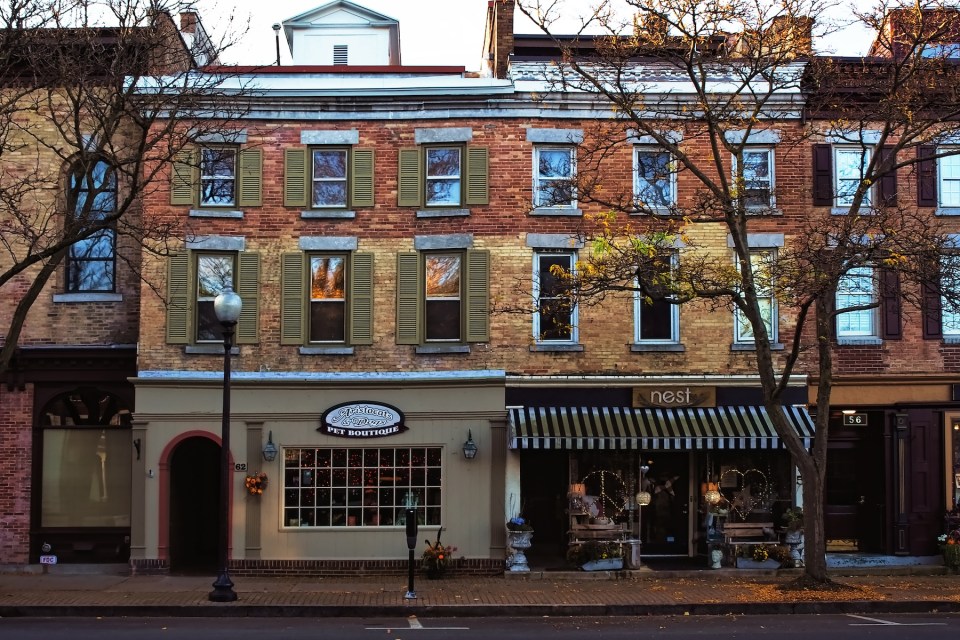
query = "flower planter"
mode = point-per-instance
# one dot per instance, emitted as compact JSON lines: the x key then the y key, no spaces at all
{"x":519,"y":542}
{"x":951,"y":556}
{"x":750,"y":563}
{"x":604,"y":564}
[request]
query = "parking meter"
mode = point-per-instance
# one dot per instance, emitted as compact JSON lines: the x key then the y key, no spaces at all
{"x":411,"y":520}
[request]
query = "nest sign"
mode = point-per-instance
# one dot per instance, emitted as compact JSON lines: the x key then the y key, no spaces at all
{"x":362,"y":420}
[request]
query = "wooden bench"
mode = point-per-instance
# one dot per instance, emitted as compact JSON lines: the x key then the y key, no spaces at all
{"x":738,"y":533}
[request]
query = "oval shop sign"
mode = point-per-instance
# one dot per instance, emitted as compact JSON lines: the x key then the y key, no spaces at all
{"x":362,"y":420}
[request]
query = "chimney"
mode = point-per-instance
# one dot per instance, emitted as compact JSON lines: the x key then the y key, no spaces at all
{"x":796,"y":32}
{"x":502,"y":41}
{"x":188,"y":22}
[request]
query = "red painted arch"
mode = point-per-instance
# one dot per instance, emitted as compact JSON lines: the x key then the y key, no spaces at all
{"x":163,"y":520}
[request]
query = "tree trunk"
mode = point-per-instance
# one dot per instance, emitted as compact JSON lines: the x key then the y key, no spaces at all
{"x":815,"y":560}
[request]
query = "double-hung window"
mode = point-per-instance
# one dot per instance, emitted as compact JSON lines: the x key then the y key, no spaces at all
{"x":444,"y":174}
{"x":443,"y":297}
{"x":656,"y":321}
{"x":91,"y":261}
{"x":330,"y":175}
{"x":654,"y":180}
{"x":840,"y":169}
{"x":326,"y":303}
{"x":329,"y":178}
{"x":214,"y":273}
{"x":554,"y":169}
{"x":857,"y":288}
{"x":761,"y":265}
{"x":197,"y":276}
{"x":850,"y":166}
{"x":758,"y":178}
{"x":217,"y":177}
{"x":555,"y":318}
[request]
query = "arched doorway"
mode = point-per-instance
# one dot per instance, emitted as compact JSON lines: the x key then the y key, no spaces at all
{"x":194,"y":505}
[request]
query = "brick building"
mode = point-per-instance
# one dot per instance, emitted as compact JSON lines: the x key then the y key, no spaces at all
{"x":384,"y":225}
{"x":376,"y":216}
{"x":65,"y":397}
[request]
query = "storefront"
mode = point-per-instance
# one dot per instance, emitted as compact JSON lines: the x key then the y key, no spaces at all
{"x":352,"y":452}
{"x":576,"y":465}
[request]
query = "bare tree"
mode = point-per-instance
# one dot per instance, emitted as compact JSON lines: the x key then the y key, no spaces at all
{"x":702,"y":81}
{"x":97,"y":97}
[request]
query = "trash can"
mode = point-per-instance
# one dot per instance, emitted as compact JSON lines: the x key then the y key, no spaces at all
{"x":633,"y":556}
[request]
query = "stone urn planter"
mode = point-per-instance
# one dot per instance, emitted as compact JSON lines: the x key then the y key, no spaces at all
{"x":794,"y":540}
{"x":519,"y":542}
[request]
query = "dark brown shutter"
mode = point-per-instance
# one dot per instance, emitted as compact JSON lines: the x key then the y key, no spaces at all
{"x":822,"y":175}
{"x":887,"y":187}
{"x":931,"y":312}
{"x":927,"y":177}
{"x":890,"y":304}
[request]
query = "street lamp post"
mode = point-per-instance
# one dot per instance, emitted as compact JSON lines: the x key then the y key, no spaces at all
{"x":226,"y":306}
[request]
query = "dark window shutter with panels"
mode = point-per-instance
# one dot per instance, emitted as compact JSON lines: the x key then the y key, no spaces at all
{"x":822,"y":175}
{"x":926,"y":176}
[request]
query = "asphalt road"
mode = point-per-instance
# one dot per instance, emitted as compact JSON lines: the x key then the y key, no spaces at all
{"x":784,"y":627}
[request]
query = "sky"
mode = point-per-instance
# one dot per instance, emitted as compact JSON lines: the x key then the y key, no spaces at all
{"x":446,"y":32}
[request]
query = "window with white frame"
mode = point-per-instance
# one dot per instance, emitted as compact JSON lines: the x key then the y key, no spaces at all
{"x":328,"y":298}
{"x":361,"y":486}
{"x":758,"y":178}
{"x":218,"y":176}
{"x":330,"y":178}
{"x":442,"y":308}
{"x":654,"y":179}
{"x":553,"y":176}
{"x":761,"y":264}
{"x":850,"y":165}
{"x":215,"y":272}
{"x":657,"y":321}
{"x":857,"y":288}
{"x":443,"y":174}
{"x":555,"y":318}
{"x":948,"y":179}
{"x":950,"y":291}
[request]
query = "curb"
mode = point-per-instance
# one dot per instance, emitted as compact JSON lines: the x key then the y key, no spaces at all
{"x":476,"y":611}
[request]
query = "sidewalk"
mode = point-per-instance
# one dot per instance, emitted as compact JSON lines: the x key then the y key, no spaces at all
{"x":725,"y":591}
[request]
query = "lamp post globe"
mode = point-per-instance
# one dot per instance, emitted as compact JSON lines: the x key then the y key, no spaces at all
{"x":226,"y":306}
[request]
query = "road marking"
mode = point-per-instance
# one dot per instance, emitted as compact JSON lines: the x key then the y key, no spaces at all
{"x":416,"y":624}
{"x":877,"y":622}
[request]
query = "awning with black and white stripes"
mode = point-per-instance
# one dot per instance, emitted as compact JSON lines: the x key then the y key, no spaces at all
{"x":738,"y":427}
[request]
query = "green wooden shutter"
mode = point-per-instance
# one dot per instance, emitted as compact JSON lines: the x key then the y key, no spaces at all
{"x":478,"y":296}
{"x":292,"y":299}
{"x":409,"y":179}
{"x":183,"y":178}
{"x":178,"y":301}
{"x":478,"y":182}
{"x":408,"y":298}
{"x":248,"y":287}
{"x":361,"y":172}
{"x":250,"y":178}
{"x":295,"y":177}
{"x":361,"y":298}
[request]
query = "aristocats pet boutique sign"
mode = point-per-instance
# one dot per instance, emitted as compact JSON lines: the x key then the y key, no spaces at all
{"x":362,"y":420}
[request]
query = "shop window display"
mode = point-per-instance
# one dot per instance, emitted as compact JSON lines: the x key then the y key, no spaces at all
{"x":361,"y":487}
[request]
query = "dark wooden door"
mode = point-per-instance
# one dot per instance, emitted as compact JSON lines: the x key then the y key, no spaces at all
{"x":925,"y":504}
{"x":194,"y":500}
